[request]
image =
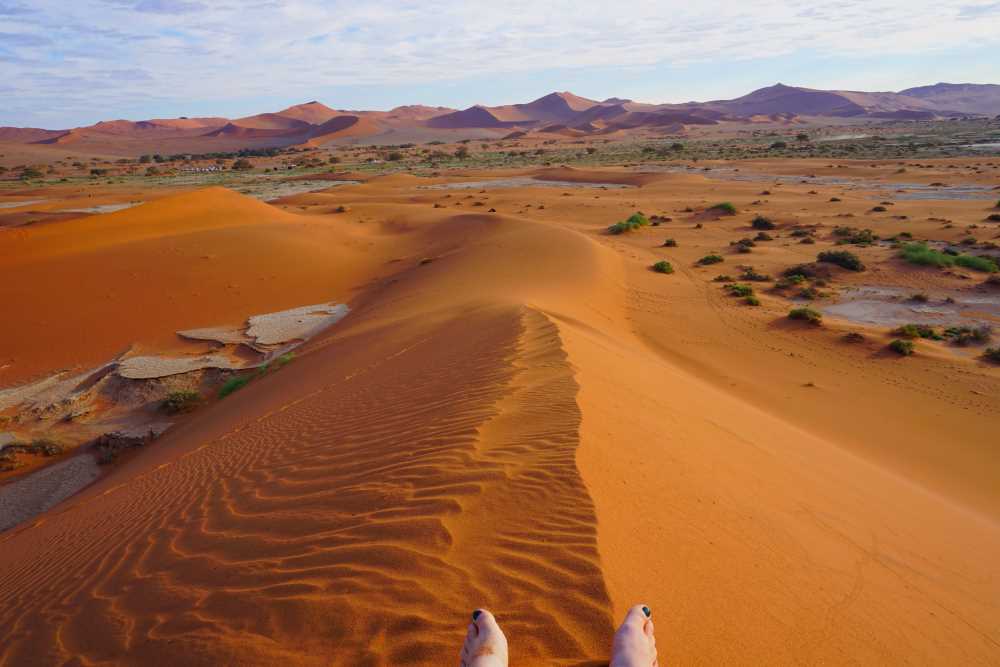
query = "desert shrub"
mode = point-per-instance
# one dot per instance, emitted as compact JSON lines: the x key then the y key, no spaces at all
{"x":743,"y":245}
{"x":858,"y":237}
{"x":920,"y":297}
{"x":30,"y":173}
{"x":242,"y":164}
{"x":790,"y":281}
{"x":992,"y":354}
{"x":738,"y":290}
{"x":670,"y":243}
{"x":751,"y":300}
{"x":993,"y":217}
{"x":844,"y":258}
{"x":903,"y":348}
{"x":663,"y":267}
{"x":634,"y":221}
{"x":916,"y":331}
{"x":761,"y":222}
{"x":233,"y":384}
{"x":38,"y":447}
{"x":992,"y":281}
{"x":997,"y":204}
{"x":919,"y":253}
{"x":722,"y":278}
{"x":725,"y":208}
{"x":808,"y":240}
{"x":810,"y":293}
{"x":462,"y":152}
{"x":777,"y":145}
{"x":853,"y":337}
{"x":763,"y":236}
{"x":710,"y":259}
{"x":806,"y":315}
{"x":180,"y":401}
{"x":879,"y":209}
{"x":962,"y":336}
{"x":835,"y":199}
{"x":977,"y":263}
{"x":394,"y":156}
{"x":799,"y":233}
{"x":749,"y":273}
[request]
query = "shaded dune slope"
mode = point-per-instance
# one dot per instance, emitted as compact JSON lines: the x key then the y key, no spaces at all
{"x":417,"y":462}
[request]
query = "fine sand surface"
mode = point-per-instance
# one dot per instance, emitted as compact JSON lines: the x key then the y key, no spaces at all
{"x":517,"y":413}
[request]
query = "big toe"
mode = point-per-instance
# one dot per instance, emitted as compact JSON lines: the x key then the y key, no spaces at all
{"x":635,"y":643}
{"x":485,"y":643}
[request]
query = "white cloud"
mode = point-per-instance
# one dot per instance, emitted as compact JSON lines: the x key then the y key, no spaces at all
{"x":68,"y":54}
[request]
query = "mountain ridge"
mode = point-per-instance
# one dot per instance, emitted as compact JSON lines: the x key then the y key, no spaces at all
{"x":314,"y":123}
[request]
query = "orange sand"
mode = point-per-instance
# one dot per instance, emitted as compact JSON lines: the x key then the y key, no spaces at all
{"x":533,"y":421}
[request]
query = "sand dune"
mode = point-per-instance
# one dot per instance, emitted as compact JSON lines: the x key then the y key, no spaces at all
{"x":518,"y":413}
{"x":139,"y":275}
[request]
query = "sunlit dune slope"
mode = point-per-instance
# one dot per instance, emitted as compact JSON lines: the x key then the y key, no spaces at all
{"x":493,"y":427}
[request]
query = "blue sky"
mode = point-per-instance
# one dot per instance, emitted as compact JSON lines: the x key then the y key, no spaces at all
{"x":64,"y":64}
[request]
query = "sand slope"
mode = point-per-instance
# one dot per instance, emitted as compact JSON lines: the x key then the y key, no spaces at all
{"x":89,"y":288}
{"x":531,"y":422}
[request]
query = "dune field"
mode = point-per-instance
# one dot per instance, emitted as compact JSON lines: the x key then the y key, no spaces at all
{"x":517,"y":412}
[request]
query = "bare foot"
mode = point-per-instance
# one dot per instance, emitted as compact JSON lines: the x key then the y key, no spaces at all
{"x":485,"y":644}
{"x":635,"y":645}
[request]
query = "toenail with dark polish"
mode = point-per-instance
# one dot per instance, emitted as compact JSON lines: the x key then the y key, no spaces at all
{"x":477,"y":612}
{"x":645,"y":610}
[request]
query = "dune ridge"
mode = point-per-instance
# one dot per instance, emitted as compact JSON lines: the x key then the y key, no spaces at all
{"x":518,"y":414}
{"x":323,"y":527}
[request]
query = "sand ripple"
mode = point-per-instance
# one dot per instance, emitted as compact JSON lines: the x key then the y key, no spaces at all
{"x":356,"y":522}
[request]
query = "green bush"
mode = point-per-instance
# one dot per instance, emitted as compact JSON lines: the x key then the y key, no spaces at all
{"x":663,"y":267}
{"x":233,"y":384}
{"x":180,"y":401}
{"x":902,"y":347}
{"x":919,"y":253}
{"x":710,"y":259}
{"x":962,"y":336}
{"x":858,"y":237}
{"x":760,"y":222}
{"x":752,"y":275}
{"x":725,"y":208}
{"x":739,"y":290}
{"x":984,"y":264}
{"x":634,"y":221}
{"x":916,"y":331}
{"x":806,"y":315}
{"x":751,"y":300}
{"x":843,"y":258}
{"x":670,"y":243}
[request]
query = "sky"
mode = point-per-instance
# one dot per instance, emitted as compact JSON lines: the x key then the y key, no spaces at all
{"x":66,"y":64}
